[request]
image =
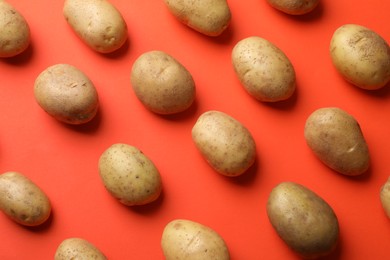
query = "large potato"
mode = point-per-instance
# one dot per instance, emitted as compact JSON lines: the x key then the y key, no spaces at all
{"x":385,"y":197}
{"x":77,"y":248}
{"x":294,"y":7}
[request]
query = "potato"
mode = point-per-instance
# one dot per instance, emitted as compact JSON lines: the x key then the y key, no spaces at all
{"x":67,"y":94}
{"x":336,"y":139}
{"x":161,"y":83}
{"x":22,"y":200}
{"x":361,"y":56}
{"x":77,"y":248}
{"x":303,"y":220}
{"x":97,"y":22}
{"x":263,"y":69}
{"x":14,"y":31}
{"x":209,"y":17}
{"x":294,"y":7}
{"x":385,"y":197}
{"x":185,"y":239}
{"x":224,"y":142}
{"x":129,"y":175}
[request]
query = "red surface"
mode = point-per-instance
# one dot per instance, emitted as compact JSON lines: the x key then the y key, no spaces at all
{"x":63,"y":159}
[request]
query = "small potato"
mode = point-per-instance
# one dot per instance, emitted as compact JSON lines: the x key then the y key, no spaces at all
{"x":361,"y":56}
{"x":14,"y":31}
{"x":336,"y":139}
{"x":303,"y":220}
{"x":294,"y":7}
{"x":209,"y":17}
{"x":77,"y":248}
{"x":161,"y":83}
{"x":97,"y":22}
{"x":185,"y":239}
{"x":67,"y":94}
{"x":263,"y":69}
{"x":129,"y":175}
{"x":22,"y":200}
{"x":385,"y":197}
{"x":224,"y":142}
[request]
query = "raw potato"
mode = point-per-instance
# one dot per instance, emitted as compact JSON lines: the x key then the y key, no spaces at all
{"x":129,"y":175}
{"x":263,"y":69}
{"x":224,"y":142}
{"x":14,"y":31}
{"x":361,"y":56}
{"x":210,"y":17}
{"x":97,"y":22}
{"x":336,"y":139}
{"x":22,"y":200}
{"x":77,"y":248}
{"x":294,"y":7}
{"x":303,"y":220}
{"x":67,"y":94}
{"x":185,"y":239}
{"x":385,"y":197}
{"x":161,"y":83}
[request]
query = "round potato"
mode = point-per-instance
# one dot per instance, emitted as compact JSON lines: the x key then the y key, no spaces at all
{"x":129,"y":175}
{"x":161,"y":83}
{"x":67,"y":94}
{"x":77,"y":248}
{"x":385,"y":197}
{"x":303,"y":220}
{"x":294,"y":7}
{"x":361,"y":56}
{"x":263,"y":69}
{"x":22,"y":200}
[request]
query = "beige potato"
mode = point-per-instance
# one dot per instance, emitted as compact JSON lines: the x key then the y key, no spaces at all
{"x":97,"y":22}
{"x":209,"y":17}
{"x":361,"y":56}
{"x":78,"y":248}
{"x":67,"y":94}
{"x":129,"y":175}
{"x":14,"y":31}
{"x":162,"y":84}
{"x":185,"y":239}
{"x":224,"y":142}
{"x":294,"y":7}
{"x":385,"y":197}
{"x":22,"y":200}
{"x":336,"y":139}
{"x":263,"y":69}
{"x":303,"y":220}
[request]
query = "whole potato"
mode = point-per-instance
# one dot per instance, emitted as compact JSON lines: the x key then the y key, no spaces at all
{"x":336,"y":139}
{"x":263,"y":69}
{"x":161,"y":83}
{"x":294,"y":7}
{"x":129,"y":175}
{"x":97,"y":22}
{"x":22,"y":200}
{"x":78,"y":248}
{"x":14,"y":31}
{"x":361,"y":56}
{"x":303,"y":220}
{"x":67,"y":94}
{"x":185,"y":239}
{"x":385,"y":197}
{"x":224,"y":142}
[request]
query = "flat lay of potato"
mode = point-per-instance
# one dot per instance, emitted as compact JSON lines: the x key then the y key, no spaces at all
{"x":294,"y":7}
{"x":385,"y":197}
{"x":78,"y":248}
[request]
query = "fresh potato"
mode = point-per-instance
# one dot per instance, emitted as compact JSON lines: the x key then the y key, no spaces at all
{"x":361,"y":56}
{"x":97,"y":22}
{"x":161,"y":83}
{"x":185,"y":239}
{"x":77,"y":248}
{"x":336,"y":139}
{"x":294,"y":7}
{"x":385,"y":197}
{"x":263,"y":69}
{"x":67,"y":94}
{"x":129,"y":175}
{"x":224,"y":142}
{"x":14,"y":31}
{"x":303,"y":220}
{"x":22,"y":200}
{"x":209,"y":17}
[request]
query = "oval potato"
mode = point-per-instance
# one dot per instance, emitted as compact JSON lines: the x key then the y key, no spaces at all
{"x":294,"y":7}
{"x":385,"y":197}
{"x":78,"y":248}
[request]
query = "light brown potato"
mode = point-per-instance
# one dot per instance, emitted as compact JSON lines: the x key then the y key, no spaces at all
{"x":14,"y":31}
{"x":385,"y":197}
{"x":129,"y":175}
{"x":224,"y":142}
{"x":22,"y":200}
{"x":77,"y":248}
{"x":263,"y":69}
{"x":185,"y":239}
{"x":209,"y":17}
{"x":97,"y":22}
{"x":336,"y":139}
{"x":361,"y":56}
{"x":294,"y":7}
{"x":162,"y":84}
{"x":303,"y":220}
{"x":67,"y":94}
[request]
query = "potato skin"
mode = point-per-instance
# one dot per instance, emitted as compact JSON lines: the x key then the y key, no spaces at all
{"x":22,"y":200}
{"x":294,"y":7}
{"x":78,"y":248}
{"x":385,"y":197}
